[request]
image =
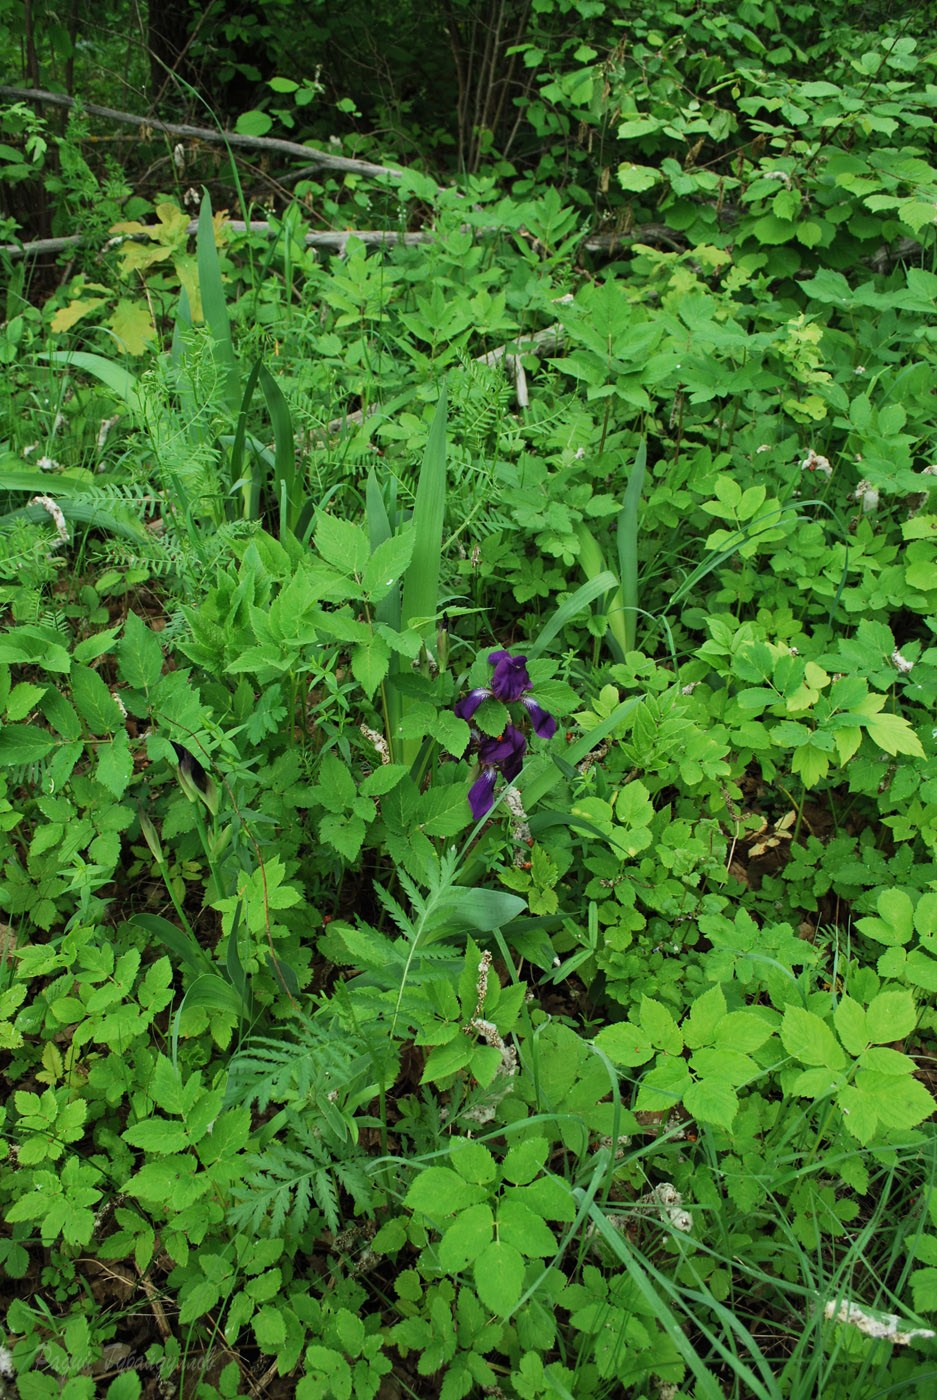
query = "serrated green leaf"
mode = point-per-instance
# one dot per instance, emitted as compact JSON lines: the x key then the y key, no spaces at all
{"x":344,"y":834}
{"x":443,"y":811}
{"x":439,"y":1191}
{"x":891,"y":1015}
{"x":23,"y":743}
{"x":702,"y":1025}
{"x":465,"y":1238}
{"x":523,"y":1160}
{"x":451,"y":733}
{"x":23,"y":698}
{"x":473,"y":1161}
{"x":447,"y":1059}
{"x":499,"y":1277}
{"x":893,"y":734}
{"x":269,"y":1328}
{"x":712,"y":1101}
{"x":139,"y":655}
{"x":387,"y":564}
{"x":369,"y":663}
{"x":662,"y":1029}
{"x":343,"y":545}
{"x":521,"y":1227}
{"x":850,"y":1022}
{"x":809,"y":1039}
{"x":383,"y":779}
{"x":743,"y":1031}
{"x":157,"y":1136}
{"x":94,"y":702}
{"x":115,"y":764}
{"x":625,"y":1044}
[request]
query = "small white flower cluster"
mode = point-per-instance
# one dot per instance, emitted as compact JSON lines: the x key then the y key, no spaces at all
{"x":55,"y":510}
{"x":106,"y":425}
{"x":379,"y":742}
{"x":886,"y":1327}
{"x":901,"y":663}
{"x":813,"y":462}
{"x":666,"y":1195}
{"x":867,"y":496}
{"x":520,"y":827}
{"x":6,"y":1363}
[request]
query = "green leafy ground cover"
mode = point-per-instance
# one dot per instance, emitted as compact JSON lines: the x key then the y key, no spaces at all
{"x":315,"y":1084}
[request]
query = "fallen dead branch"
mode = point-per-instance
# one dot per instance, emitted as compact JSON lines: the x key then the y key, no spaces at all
{"x":309,"y":154}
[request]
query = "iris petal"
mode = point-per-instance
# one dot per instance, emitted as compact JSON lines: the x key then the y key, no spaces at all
{"x":509,"y":679}
{"x":467,"y":706}
{"x":482,"y":794}
{"x":543,"y":722}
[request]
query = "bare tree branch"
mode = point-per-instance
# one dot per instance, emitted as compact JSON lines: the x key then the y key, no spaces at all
{"x":204,"y":133}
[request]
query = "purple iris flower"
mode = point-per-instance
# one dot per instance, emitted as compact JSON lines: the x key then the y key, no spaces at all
{"x":504,"y":754}
{"x":510,"y":682}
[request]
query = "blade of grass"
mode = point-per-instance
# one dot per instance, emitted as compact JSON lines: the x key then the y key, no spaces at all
{"x":214,"y":306}
{"x":237,"y":458}
{"x":387,"y":609}
{"x":421,"y":581}
{"x":119,"y":380}
{"x":421,"y":585}
{"x":592,"y":563}
{"x":570,"y":607}
{"x":628,"y":547}
{"x":284,"y":448}
{"x":656,"y":1289}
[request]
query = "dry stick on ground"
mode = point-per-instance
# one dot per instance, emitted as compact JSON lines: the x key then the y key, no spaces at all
{"x":551,"y":338}
{"x":338,"y":238}
{"x":205,"y":133}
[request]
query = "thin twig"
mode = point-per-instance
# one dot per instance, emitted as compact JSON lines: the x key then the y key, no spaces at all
{"x":205,"y":133}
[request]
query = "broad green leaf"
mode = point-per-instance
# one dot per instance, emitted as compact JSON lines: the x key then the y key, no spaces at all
{"x":345,"y":834}
{"x":465,"y":1238}
{"x":849,"y":1019}
{"x":524,"y":1229}
{"x":719,"y":1062}
{"x":625,"y":1044}
{"x":139,"y":655}
{"x":809,"y":1039}
{"x":473,"y":1161}
{"x":445,"y":1060}
{"x":523,"y":1160}
{"x":115,"y":764}
{"x":24,"y":743}
{"x":451,"y":732}
{"x":269,"y":1328}
{"x":369,"y":664}
{"x":712,"y":1101}
{"x":499,"y":1277}
{"x":895,"y":924}
{"x":891,"y":1015}
{"x":157,"y":1136}
{"x":342,"y":544}
{"x":387,"y":564}
{"x":383,"y":779}
{"x":94,"y":702}
{"x":439,"y":1191}
{"x":444,"y":811}
{"x":743,"y":1031}
{"x":702,"y":1025}
{"x":23,"y":699}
